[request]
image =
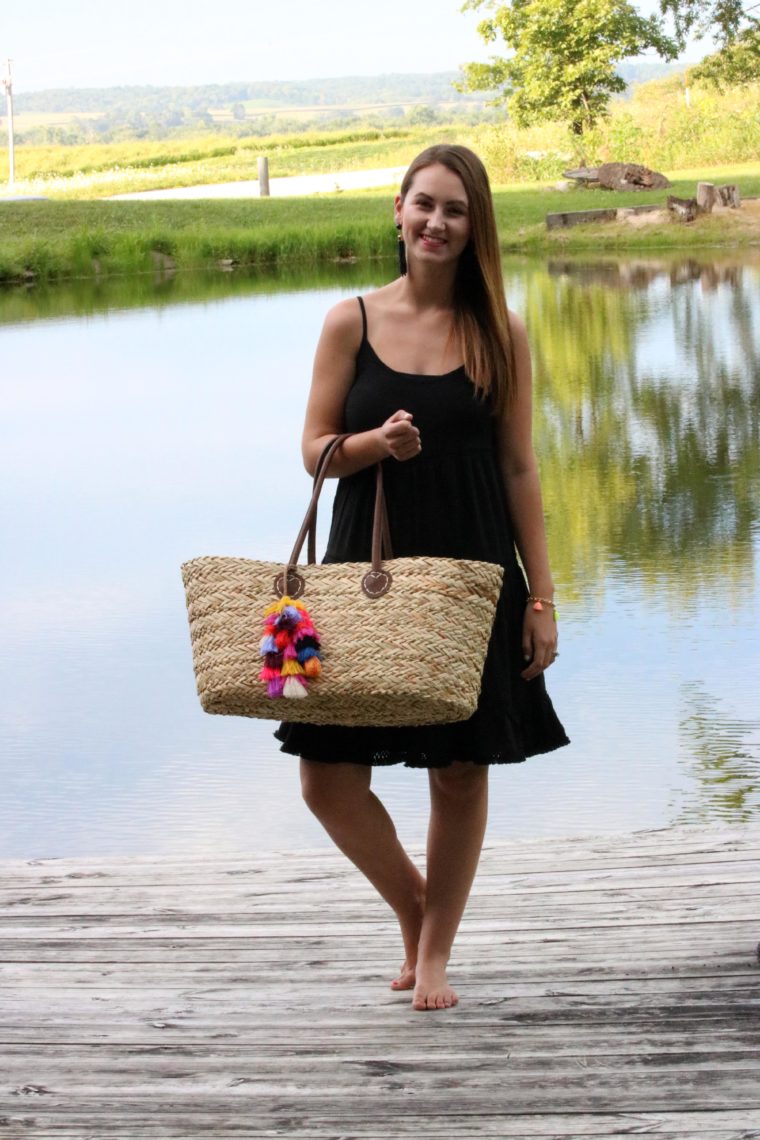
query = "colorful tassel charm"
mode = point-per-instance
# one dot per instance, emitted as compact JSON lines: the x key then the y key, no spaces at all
{"x":290,"y":649}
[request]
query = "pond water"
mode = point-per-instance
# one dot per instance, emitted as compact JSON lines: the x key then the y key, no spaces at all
{"x":147,"y":422}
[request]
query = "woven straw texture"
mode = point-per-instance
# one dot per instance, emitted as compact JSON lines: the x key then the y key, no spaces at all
{"x":413,"y":656}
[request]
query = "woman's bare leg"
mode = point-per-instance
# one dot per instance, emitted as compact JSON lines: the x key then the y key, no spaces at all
{"x":458,"y":814}
{"x":341,"y":798}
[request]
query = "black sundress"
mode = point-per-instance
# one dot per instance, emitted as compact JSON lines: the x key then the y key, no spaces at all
{"x":449,"y":501}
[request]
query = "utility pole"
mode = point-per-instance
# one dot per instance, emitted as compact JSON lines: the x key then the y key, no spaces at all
{"x":8,"y":85}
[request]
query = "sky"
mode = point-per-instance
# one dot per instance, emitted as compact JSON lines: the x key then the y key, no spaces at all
{"x":98,"y":43}
{"x":102,"y":43}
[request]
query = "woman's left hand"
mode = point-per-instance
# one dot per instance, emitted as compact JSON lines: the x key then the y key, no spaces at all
{"x":539,"y":641}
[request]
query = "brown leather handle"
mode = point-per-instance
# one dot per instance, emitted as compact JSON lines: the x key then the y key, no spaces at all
{"x":377,"y":581}
{"x":311,"y":550}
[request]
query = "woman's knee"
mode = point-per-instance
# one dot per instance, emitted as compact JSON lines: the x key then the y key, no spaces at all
{"x":329,"y":789}
{"x":460,"y":781}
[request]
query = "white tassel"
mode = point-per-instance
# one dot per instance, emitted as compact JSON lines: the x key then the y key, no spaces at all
{"x":294,"y":688}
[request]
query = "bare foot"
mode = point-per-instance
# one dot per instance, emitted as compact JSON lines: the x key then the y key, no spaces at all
{"x":432,"y":989}
{"x":406,"y":979}
{"x":411,"y":925}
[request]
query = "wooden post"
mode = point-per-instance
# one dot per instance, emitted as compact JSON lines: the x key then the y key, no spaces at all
{"x":263,"y":177}
{"x":730,"y":196}
{"x":707,"y":196}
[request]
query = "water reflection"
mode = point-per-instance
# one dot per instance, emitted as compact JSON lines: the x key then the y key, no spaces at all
{"x":723,"y":751}
{"x":142,"y":425}
{"x":647,"y":419}
{"x":97,"y":295}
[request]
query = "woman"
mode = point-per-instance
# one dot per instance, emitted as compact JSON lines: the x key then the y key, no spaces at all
{"x":432,"y":375}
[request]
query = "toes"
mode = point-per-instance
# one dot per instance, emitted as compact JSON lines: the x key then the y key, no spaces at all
{"x":406,"y":979}
{"x":435,"y":1000}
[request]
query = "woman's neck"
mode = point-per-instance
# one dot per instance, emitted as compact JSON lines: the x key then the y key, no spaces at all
{"x":428,"y":288}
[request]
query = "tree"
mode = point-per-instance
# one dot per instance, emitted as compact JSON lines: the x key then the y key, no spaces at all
{"x":738,"y":62}
{"x":564,"y":56}
{"x":725,"y":19}
{"x":423,"y":116}
{"x":734,"y":27}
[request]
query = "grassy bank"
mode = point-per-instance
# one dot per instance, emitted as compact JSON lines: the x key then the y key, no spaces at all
{"x":50,"y":240}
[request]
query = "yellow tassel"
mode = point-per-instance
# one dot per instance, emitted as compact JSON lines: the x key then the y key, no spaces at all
{"x":291,"y":668}
{"x":277,"y":607}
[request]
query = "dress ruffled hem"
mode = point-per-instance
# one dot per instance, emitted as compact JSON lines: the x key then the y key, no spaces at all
{"x":329,"y":751}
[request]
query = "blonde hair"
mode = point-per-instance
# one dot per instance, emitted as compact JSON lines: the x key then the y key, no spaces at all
{"x":481,"y":321}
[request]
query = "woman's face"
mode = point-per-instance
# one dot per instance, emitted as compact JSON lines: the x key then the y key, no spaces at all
{"x":434,"y":216}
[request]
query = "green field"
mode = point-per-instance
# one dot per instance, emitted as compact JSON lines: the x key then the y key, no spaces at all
{"x":656,"y":126}
{"x":99,"y":171}
{"x":51,"y":240}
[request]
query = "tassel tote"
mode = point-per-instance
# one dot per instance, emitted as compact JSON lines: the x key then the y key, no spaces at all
{"x":398,"y":641}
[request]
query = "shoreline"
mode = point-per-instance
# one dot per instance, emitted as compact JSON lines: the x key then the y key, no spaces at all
{"x":46,"y":241}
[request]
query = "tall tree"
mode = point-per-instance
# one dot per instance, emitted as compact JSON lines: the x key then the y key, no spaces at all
{"x":735,"y":27}
{"x":725,"y":19}
{"x":563,"y":56}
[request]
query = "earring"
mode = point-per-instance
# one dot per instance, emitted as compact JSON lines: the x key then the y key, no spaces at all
{"x":401,"y":251}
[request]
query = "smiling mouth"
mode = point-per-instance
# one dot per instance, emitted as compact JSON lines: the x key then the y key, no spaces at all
{"x":433,"y":240}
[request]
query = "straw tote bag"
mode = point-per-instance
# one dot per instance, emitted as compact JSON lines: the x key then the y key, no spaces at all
{"x":398,"y":641}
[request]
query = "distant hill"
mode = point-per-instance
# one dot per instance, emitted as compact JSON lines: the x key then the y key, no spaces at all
{"x":641,"y":71}
{"x":346,"y":91}
{"x":81,"y":115}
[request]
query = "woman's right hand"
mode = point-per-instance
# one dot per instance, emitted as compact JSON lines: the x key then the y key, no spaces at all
{"x":399,"y":436}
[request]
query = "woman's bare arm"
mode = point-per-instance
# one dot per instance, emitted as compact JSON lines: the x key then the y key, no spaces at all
{"x":523,"y":491}
{"x":333,"y":374}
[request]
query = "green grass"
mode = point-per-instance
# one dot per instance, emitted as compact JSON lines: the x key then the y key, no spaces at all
{"x":99,"y":171}
{"x":50,"y":240}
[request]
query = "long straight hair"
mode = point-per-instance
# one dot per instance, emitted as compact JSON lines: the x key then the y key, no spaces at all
{"x":481,"y":321}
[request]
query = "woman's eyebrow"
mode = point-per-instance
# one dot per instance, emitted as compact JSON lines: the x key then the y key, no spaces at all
{"x":449,"y":202}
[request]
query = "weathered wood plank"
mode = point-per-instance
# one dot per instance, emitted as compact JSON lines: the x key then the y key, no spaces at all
{"x":144,"y":1125}
{"x":608,"y":985}
{"x":668,"y":890}
{"x":670,"y":843}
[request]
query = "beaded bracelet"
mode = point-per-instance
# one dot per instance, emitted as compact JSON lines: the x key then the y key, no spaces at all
{"x":539,"y":603}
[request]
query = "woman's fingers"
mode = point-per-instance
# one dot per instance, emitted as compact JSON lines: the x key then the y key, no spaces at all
{"x":401,"y":436}
{"x":539,"y":645}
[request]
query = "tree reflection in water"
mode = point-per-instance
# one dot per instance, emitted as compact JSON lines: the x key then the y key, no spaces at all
{"x":647,"y":380}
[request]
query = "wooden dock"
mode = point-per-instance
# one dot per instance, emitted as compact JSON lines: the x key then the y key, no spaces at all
{"x":609,"y":987}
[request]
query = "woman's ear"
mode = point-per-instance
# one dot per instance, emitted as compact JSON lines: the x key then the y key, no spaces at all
{"x":397,"y":204}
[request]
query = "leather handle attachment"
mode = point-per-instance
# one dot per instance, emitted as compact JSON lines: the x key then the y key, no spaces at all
{"x":376,"y":581}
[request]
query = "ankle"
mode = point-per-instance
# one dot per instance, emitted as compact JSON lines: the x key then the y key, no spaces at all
{"x":433,"y":960}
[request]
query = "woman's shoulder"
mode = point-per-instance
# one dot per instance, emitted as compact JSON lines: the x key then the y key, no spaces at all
{"x":344,"y":322}
{"x":344,"y":318}
{"x":516,"y":324}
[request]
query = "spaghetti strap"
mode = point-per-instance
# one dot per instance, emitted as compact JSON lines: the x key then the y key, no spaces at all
{"x":364,"y":319}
